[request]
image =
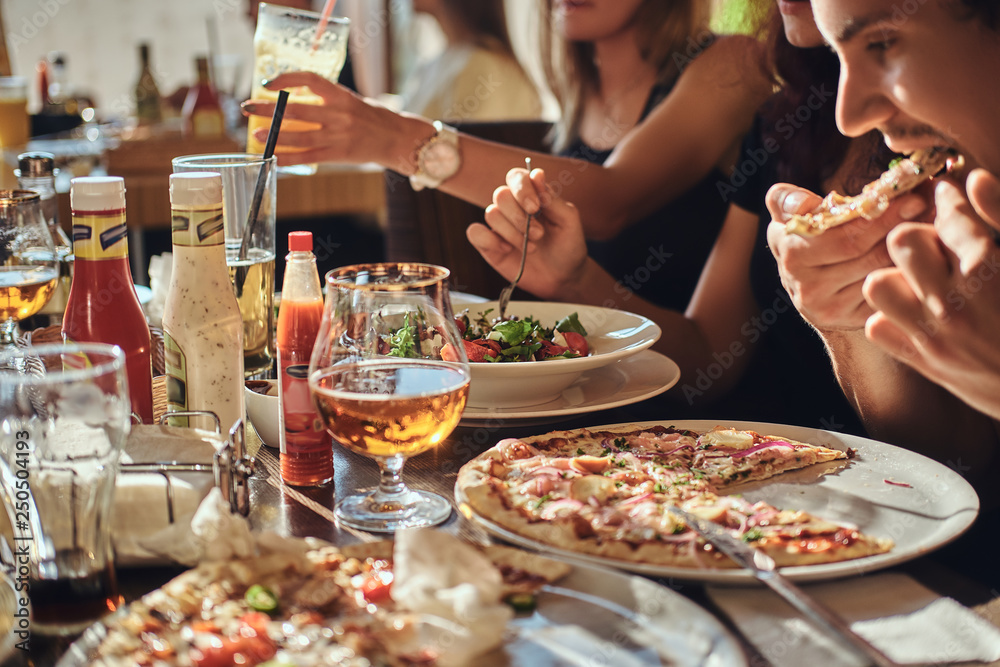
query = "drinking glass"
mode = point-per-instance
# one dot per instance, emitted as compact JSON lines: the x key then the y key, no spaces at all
{"x":285,"y":42}
{"x":29,"y":266}
{"x":64,"y":418}
{"x":390,"y":379}
{"x":255,"y":293}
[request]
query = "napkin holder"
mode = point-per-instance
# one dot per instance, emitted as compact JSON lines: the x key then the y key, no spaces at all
{"x":231,"y":467}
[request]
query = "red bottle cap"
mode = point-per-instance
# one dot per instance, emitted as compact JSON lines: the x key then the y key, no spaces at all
{"x":300,"y":241}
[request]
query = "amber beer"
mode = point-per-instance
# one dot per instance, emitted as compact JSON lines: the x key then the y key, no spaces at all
{"x":383,"y":408}
{"x":24,"y":290}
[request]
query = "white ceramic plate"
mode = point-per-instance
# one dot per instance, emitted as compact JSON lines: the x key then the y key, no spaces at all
{"x":938,"y":506}
{"x":612,"y":335}
{"x":628,"y":381}
{"x":593,"y":616}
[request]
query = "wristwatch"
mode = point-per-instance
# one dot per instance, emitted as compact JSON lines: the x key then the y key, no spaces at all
{"x":438,"y":158}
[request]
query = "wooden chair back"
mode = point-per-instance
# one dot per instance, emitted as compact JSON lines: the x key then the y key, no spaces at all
{"x":429,"y":226}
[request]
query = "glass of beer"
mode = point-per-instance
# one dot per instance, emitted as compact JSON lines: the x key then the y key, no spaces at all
{"x":390,"y":379}
{"x":64,"y":419}
{"x":285,"y":41}
{"x":14,"y":121}
{"x":29,"y":265}
{"x":253,"y":277}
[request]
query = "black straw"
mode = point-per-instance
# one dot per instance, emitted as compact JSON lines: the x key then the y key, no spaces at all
{"x":258,"y":192}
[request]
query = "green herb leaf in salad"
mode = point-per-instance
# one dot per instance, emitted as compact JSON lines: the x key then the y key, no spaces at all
{"x":403,"y":342}
{"x":571,"y":323}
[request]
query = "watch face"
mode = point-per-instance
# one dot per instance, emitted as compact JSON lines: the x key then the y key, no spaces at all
{"x":441,"y":160}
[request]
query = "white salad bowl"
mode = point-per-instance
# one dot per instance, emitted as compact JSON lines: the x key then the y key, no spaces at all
{"x":612,"y":335}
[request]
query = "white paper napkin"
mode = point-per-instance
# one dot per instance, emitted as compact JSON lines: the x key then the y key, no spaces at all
{"x":907,"y":621}
{"x":444,"y":579}
{"x":141,"y":501}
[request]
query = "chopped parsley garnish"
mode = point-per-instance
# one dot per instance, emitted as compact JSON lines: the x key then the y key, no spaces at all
{"x":542,"y":500}
{"x":753,"y":535}
{"x":579,"y":451}
{"x":678,"y":528}
{"x":659,"y":488}
{"x":403,"y":343}
{"x":621,"y":443}
{"x":894,"y":162}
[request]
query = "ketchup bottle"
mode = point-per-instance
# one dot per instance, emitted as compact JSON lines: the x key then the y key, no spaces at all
{"x":102,"y":305}
{"x":306,"y":447}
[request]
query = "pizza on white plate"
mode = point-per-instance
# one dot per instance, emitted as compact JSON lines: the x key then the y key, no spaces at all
{"x":605,"y":493}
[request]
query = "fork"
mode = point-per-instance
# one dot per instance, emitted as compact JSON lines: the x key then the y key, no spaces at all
{"x":509,"y":289}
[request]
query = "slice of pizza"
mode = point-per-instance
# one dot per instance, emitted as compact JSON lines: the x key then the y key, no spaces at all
{"x":903,"y":175}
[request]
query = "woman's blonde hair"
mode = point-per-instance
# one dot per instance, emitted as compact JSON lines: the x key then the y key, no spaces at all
{"x":670,"y":32}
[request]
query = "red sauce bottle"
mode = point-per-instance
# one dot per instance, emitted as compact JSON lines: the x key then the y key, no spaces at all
{"x":306,"y":447}
{"x":102,"y":305}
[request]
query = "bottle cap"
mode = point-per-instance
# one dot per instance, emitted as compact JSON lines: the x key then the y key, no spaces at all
{"x":196,"y":188}
{"x":36,"y":164}
{"x":97,"y":193}
{"x":300,"y":241}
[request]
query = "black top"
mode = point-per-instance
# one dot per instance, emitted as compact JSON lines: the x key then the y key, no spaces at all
{"x":790,"y":379}
{"x":660,"y":257}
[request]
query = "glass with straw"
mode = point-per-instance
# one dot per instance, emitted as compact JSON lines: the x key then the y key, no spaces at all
{"x":291,"y":40}
{"x":249,"y":197}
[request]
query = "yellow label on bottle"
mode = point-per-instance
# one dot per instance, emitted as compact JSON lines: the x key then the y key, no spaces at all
{"x":100,"y":235}
{"x":197,"y":226}
{"x":175,"y":367}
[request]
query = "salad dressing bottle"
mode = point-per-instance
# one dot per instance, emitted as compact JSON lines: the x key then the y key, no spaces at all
{"x":306,"y":447}
{"x":202,"y":327}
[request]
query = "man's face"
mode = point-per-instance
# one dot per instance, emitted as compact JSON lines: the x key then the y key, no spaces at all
{"x":919,"y":72}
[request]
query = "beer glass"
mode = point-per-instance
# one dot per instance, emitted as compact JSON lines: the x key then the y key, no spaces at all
{"x":390,"y":379}
{"x":64,"y":418}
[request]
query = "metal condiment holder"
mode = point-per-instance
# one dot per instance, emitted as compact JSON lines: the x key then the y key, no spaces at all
{"x":231,"y":467}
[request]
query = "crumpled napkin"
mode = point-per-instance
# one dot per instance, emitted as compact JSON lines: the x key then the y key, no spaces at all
{"x":905,"y":620}
{"x":216,"y":534}
{"x":444,"y":579}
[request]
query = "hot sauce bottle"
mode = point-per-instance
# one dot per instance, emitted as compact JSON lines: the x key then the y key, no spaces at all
{"x":306,"y":447}
{"x":102,"y":306}
{"x":202,"y":327}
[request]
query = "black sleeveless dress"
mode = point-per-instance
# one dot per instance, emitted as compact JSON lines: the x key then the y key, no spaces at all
{"x":660,"y":257}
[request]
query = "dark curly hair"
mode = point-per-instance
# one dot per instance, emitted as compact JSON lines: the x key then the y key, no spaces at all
{"x":987,"y":11}
{"x":817,"y":148}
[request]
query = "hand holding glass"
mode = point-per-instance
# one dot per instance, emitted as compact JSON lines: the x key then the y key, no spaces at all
{"x":390,"y":378}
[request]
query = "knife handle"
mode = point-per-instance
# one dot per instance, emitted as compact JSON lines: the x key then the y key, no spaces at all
{"x":826,"y":619}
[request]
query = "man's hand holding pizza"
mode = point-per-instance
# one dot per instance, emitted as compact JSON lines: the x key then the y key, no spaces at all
{"x":938,"y":308}
{"x":823,"y":274}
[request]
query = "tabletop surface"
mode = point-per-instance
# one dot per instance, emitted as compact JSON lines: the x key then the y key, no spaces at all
{"x":308,"y":512}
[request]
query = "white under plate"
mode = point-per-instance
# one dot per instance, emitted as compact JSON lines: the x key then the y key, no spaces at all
{"x":936,"y":507}
{"x":630,"y":380}
{"x":593,"y":616}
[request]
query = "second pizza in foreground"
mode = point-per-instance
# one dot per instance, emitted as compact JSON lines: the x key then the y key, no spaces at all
{"x":605,"y":493}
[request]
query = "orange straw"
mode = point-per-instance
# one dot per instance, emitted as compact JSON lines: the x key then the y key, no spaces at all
{"x":327,"y":11}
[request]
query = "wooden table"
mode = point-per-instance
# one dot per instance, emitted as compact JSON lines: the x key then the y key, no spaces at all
{"x":309,"y":513}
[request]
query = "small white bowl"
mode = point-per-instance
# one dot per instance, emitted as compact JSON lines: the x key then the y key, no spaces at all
{"x":263,"y":412}
{"x":612,"y":335}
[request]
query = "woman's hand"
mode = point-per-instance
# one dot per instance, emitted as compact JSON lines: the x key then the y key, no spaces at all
{"x":557,"y":252}
{"x":344,"y":126}
{"x":824,"y":274}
